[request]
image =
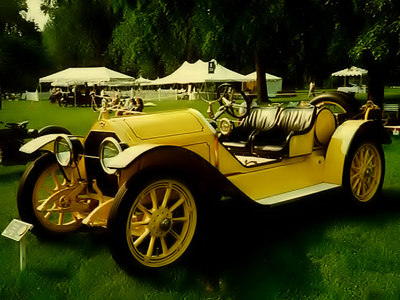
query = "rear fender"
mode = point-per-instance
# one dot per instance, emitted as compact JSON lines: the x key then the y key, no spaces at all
{"x":342,"y":140}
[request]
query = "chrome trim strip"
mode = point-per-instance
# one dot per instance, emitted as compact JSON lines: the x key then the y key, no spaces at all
{"x":293,"y":195}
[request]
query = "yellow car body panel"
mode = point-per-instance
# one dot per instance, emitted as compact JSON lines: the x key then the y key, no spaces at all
{"x":187,"y":129}
{"x":278,"y":178}
{"x":338,"y":149}
{"x":301,"y":144}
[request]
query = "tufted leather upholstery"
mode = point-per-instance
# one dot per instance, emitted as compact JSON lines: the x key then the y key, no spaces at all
{"x":259,"y":119}
{"x":296,"y":119}
{"x":291,"y":121}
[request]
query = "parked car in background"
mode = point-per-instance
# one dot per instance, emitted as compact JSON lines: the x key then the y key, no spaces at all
{"x":14,"y":135}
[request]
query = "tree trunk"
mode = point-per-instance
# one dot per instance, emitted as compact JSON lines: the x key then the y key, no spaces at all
{"x":376,"y":89}
{"x":376,"y":78}
{"x":261,"y":83}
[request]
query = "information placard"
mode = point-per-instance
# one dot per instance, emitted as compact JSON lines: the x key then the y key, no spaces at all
{"x":16,"y":230}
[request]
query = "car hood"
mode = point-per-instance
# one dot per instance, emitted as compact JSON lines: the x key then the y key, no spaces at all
{"x":170,"y":126}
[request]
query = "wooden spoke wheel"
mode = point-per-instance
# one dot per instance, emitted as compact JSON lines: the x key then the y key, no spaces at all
{"x":44,"y":198}
{"x":153,"y":224}
{"x":366,"y":171}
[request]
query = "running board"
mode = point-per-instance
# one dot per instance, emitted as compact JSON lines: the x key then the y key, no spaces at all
{"x":296,"y":194}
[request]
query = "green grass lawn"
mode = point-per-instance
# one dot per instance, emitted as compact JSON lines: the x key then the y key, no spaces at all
{"x":318,"y":248}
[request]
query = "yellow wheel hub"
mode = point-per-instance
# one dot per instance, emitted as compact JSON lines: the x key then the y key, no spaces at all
{"x":160,"y":222}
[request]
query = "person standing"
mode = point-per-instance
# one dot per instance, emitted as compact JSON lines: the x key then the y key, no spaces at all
{"x":311,"y":90}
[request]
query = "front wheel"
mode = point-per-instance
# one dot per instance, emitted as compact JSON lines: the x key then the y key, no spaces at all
{"x":152,"y":223}
{"x":50,"y":129}
{"x":365,"y":171}
{"x":44,"y":198}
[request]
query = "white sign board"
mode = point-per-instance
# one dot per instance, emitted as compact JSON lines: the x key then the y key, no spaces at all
{"x":16,"y":230}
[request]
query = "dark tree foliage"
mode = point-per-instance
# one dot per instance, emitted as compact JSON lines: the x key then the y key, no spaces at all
{"x":154,"y":37}
{"x":298,"y":40}
{"x":377,"y":46}
{"x":245,"y":35}
{"x":79,"y":31}
{"x":21,"y":52}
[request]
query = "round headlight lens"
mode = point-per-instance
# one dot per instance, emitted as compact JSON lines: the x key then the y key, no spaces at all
{"x":225,"y":126}
{"x":109,"y":148}
{"x":63,"y":151}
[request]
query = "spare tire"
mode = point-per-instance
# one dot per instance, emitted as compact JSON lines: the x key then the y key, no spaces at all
{"x":343,"y":101}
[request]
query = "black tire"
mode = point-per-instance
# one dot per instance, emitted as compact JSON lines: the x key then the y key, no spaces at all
{"x":364,"y":172}
{"x":345,"y":102}
{"x":35,"y":185}
{"x":153,"y":242}
{"x":53,"y":129}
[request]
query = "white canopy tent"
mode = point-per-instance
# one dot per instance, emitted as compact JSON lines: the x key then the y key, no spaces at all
{"x":142,"y":81}
{"x":90,"y":75}
{"x":352,"y":71}
{"x":200,"y":72}
{"x":274,"y":83}
{"x":101,"y":76}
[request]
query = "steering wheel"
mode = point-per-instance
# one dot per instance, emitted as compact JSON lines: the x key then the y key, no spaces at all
{"x":225,"y":94}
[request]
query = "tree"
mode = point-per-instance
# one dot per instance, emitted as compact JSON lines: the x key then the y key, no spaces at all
{"x":78,"y":32}
{"x":243,"y":33}
{"x":20,"y":47}
{"x":154,"y":37}
{"x":299,"y":40}
{"x":378,"y":44}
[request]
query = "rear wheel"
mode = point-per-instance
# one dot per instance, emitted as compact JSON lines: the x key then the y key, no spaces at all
{"x":365,"y":172}
{"x":152,"y":223}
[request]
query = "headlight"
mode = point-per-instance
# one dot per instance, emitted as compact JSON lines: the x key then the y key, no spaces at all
{"x":67,"y":149}
{"x":225,"y":126}
{"x":109,"y":148}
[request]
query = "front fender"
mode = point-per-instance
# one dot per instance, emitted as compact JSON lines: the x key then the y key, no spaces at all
{"x":152,"y":158}
{"x":126,"y":157}
{"x":45,"y":142}
{"x":342,"y":141}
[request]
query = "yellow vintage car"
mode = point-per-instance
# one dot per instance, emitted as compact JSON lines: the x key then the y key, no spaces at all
{"x":151,"y":179}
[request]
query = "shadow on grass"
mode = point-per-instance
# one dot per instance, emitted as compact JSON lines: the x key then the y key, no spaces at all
{"x":254,"y":252}
{"x":247,"y":251}
{"x":55,"y":273}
